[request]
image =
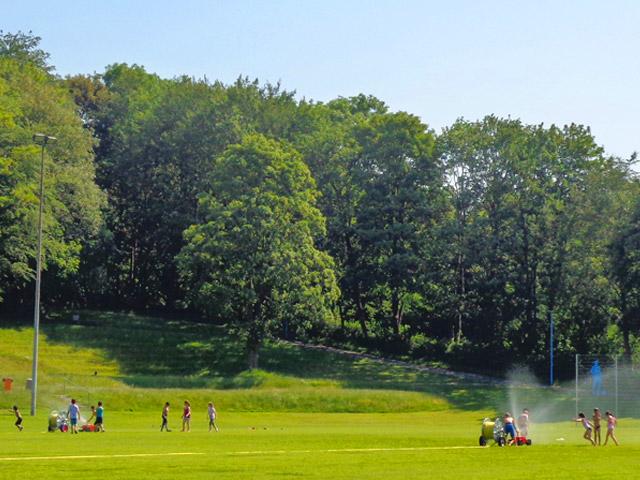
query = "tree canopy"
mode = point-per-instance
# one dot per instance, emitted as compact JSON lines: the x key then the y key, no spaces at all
{"x":341,"y":221}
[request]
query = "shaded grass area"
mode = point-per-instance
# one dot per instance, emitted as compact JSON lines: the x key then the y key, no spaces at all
{"x":77,"y":361}
{"x":153,"y":346}
{"x":171,"y":353}
{"x":138,"y":362}
{"x":314,"y":446}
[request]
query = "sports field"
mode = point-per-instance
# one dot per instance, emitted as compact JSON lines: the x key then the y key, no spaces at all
{"x":294,"y":445}
{"x":310,"y":414}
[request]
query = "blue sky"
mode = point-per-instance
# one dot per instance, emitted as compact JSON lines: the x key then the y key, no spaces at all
{"x":541,"y":61}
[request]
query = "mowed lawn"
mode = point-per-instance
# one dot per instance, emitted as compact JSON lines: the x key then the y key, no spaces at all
{"x":438,"y":445}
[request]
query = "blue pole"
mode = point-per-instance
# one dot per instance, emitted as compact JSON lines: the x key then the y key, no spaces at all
{"x":550,"y":348}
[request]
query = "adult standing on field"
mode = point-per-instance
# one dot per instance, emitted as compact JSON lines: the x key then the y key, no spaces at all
{"x":73,"y":414}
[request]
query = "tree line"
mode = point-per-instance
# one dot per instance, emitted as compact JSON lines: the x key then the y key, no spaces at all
{"x":340,"y":221}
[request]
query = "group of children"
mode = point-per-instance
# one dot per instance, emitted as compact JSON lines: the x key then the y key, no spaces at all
{"x":97,"y":415}
{"x":186,"y":417}
{"x":512,"y":427}
{"x":516,"y":428}
{"x":592,"y":428}
{"x":73,"y":415}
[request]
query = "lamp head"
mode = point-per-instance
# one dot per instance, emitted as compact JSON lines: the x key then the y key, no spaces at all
{"x":41,"y":138}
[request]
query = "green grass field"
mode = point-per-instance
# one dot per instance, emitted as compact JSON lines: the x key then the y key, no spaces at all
{"x":284,"y":445}
{"x":308,"y":414}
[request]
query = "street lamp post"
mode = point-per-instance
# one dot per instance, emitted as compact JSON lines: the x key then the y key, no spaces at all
{"x":41,"y":139}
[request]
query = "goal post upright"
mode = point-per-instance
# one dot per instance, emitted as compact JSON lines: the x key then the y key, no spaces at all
{"x":616,"y":384}
{"x":577,"y":381}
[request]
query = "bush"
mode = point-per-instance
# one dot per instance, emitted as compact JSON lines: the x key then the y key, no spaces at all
{"x":421,"y":346}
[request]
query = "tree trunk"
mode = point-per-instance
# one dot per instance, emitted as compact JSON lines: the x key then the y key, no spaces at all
{"x":626,"y":329}
{"x":462,"y":290}
{"x":253,"y":347}
{"x":256,"y":330}
{"x":253,"y":355}
{"x":361,"y":315}
{"x":395,"y":311}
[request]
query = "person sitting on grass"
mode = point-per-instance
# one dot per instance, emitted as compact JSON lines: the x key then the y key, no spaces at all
{"x":588,"y":428}
{"x":186,"y":417}
{"x":73,"y":414}
{"x":612,"y":422}
{"x":510,"y":427}
{"x":99,"y":423}
{"x":18,"y":423}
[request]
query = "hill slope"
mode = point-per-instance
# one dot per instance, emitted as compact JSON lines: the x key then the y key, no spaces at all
{"x":138,"y":362}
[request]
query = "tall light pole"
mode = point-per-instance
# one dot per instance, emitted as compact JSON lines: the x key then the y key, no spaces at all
{"x":40,"y":139}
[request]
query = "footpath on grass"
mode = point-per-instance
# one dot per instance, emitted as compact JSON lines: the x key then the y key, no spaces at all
{"x":473,"y":378}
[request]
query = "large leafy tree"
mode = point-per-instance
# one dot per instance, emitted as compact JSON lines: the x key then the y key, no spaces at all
{"x":156,"y":141}
{"x":24,"y":48}
{"x":625,"y":268}
{"x":31,"y":101}
{"x":401,"y":183}
{"x":380,"y":183}
{"x":531,"y":215}
{"x":252,"y":259}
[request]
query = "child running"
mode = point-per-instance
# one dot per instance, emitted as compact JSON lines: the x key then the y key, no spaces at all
{"x":211,"y":410}
{"x":612,"y":422}
{"x":186,"y":416}
{"x":18,"y":423}
{"x":165,"y":417}
{"x":588,"y":428}
{"x":73,"y":414}
{"x":99,"y":423}
{"x":597,"y":416}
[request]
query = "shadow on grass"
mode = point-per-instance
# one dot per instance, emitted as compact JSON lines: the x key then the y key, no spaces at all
{"x":361,"y":373}
{"x":148,"y":349}
{"x":157,"y":352}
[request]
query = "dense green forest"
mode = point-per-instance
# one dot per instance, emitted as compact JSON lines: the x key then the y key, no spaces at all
{"x":341,"y":222}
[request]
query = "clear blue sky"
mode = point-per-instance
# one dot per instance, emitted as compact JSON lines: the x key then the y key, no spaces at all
{"x":542,"y":61}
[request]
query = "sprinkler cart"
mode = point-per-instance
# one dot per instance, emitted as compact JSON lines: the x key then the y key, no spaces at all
{"x":494,"y":430}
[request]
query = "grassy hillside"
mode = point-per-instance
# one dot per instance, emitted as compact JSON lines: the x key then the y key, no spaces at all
{"x":137,"y":363}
